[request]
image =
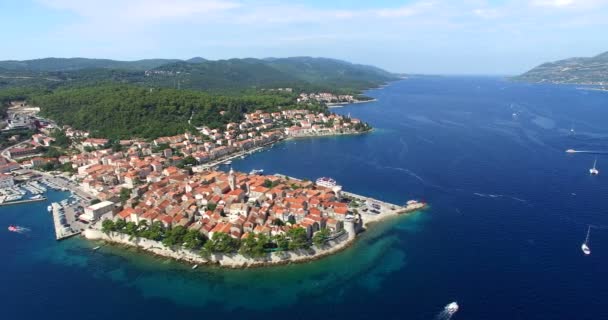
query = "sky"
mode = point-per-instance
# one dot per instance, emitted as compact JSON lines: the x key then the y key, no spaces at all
{"x":498,"y":37}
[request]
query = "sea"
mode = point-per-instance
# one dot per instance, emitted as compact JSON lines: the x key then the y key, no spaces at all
{"x":509,"y":210}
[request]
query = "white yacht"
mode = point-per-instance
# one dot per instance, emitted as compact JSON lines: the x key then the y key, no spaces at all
{"x":326,"y":182}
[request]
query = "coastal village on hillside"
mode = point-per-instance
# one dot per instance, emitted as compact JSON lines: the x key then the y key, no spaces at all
{"x":173,"y":183}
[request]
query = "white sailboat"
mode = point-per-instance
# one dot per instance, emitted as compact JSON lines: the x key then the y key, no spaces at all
{"x":594,"y":171}
{"x":584,"y":246}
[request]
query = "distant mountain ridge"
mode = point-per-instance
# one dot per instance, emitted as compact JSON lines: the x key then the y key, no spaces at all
{"x":73,"y":64}
{"x":197,"y":73}
{"x":592,"y":70}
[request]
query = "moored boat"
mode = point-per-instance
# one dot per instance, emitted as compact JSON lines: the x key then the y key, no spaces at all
{"x":326,"y":182}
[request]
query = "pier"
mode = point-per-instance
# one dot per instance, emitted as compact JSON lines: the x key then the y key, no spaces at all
{"x":65,"y":222}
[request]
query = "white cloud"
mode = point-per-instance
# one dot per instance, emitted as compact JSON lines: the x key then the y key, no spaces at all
{"x":569,"y":4}
{"x":406,"y":11}
{"x":487,"y":13}
{"x":140,"y":10}
{"x":152,"y":24}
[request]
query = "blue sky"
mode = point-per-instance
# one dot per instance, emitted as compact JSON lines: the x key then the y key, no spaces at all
{"x":418,"y":36}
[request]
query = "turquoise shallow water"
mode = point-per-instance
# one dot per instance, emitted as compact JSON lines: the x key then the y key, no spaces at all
{"x":509,"y":211}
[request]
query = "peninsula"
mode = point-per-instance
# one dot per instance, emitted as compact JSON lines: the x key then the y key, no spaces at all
{"x":143,"y":162}
{"x":240,"y":220}
{"x":167,"y":197}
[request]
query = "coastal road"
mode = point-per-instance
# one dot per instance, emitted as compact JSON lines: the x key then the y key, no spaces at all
{"x":5,"y":153}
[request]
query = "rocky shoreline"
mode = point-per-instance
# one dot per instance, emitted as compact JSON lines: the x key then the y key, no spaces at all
{"x":230,"y":261}
{"x":238,"y":261}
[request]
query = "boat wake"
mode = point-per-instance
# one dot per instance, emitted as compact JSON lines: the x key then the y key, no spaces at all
{"x":586,"y":151}
{"x":486,"y":195}
{"x":448,"y":311}
{"x":18,"y":229}
{"x":417,"y":177}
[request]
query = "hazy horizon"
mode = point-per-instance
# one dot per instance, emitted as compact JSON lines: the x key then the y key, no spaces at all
{"x":417,"y":37}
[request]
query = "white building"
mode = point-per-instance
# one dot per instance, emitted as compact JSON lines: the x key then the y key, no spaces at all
{"x":93,"y":212}
{"x":6,"y":181}
{"x":18,"y":121}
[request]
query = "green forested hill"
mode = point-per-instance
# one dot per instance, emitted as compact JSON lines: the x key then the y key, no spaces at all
{"x":305,"y":73}
{"x":125,"y":111}
{"x":151,"y":98}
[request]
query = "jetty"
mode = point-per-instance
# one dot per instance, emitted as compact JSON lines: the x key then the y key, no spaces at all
{"x":8,"y":203}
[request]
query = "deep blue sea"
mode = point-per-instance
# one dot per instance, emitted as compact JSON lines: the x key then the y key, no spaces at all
{"x":509,"y":211}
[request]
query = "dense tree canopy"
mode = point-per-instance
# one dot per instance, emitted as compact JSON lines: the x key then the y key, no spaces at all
{"x":123,"y":111}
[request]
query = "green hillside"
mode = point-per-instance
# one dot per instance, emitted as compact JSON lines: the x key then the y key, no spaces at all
{"x":592,"y":70}
{"x":304,"y":73}
{"x":125,"y":111}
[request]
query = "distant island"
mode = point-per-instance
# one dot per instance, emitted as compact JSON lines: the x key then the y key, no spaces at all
{"x":586,"y":71}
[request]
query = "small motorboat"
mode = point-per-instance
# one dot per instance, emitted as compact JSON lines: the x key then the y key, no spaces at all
{"x":585,"y":246}
{"x":586,"y":249}
{"x":593,"y":171}
{"x":96,"y":248}
{"x":13,"y":228}
{"x":256,"y":172}
{"x":194,"y":266}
